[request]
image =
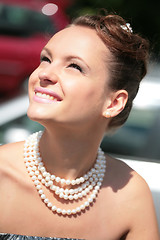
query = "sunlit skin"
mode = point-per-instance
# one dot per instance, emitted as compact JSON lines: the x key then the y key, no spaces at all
{"x":70,"y":69}
{"x":74,"y":77}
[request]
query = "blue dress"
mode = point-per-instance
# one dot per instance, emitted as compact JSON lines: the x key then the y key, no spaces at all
{"x":8,"y":236}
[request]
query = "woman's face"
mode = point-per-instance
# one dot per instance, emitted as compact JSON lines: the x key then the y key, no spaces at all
{"x":69,"y":86}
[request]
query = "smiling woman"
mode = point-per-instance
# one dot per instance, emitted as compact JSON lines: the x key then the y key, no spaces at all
{"x":60,"y":180}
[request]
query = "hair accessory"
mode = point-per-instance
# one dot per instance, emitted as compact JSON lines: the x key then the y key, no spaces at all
{"x":127,"y":27}
{"x":87,"y":187}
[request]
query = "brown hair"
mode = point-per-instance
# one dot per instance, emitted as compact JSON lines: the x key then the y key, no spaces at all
{"x":129,"y":56}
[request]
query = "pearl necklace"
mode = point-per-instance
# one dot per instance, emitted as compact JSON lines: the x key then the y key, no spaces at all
{"x":88,"y":184}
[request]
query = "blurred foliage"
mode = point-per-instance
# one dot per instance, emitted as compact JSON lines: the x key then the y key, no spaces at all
{"x":143,"y":16}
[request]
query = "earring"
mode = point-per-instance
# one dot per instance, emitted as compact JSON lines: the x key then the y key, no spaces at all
{"x":107,"y":114}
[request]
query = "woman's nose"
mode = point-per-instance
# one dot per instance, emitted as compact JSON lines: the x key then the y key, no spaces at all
{"x":48,"y":74}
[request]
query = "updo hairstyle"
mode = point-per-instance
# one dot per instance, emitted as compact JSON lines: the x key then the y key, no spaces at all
{"x":129,"y":56}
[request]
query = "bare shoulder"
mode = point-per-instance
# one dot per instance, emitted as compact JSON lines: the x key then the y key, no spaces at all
{"x":121,"y":175}
{"x":7,"y":150}
{"x":124,"y":179}
{"x":10,"y":157}
{"x":132,"y":193}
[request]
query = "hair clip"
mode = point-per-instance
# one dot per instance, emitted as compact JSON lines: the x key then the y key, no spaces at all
{"x":127,"y":27}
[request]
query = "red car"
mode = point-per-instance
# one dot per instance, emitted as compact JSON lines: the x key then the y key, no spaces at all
{"x":25,"y":27}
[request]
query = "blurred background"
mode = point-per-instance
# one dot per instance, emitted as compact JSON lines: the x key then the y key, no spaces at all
{"x":25,"y":27}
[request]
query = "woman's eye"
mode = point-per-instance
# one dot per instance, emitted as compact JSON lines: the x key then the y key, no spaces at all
{"x":45,"y":59}
{"x":76,"y":66}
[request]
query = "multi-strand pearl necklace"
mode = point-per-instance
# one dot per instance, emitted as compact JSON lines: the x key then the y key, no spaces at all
{"x":88,"y":185}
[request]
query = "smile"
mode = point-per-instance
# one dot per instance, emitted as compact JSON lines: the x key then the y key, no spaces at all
{"x":43,"y":95}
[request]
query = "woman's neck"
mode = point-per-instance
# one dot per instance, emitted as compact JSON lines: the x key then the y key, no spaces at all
{"x":68,"y":155}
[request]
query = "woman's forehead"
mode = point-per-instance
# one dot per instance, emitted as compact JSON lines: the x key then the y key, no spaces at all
{"x":78,"y":37}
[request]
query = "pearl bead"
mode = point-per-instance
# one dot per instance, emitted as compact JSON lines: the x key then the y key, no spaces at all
{"x":95,"y":191}
{"x":93,"y":196}
{"x":90,"y":174}
{"x":90,"y":187}
{"x":50,"y":183}
{"x":80,"y":189}
{"x":37,"y":172}
{"x":93,"y":183}
{"x":73,"y":182}
{"x":63,"y":181}
{"x":59,"y":210}
{"x":82,"y":206}
{"x":57,"y":179}
{"x":90,"y":200}
{"x":47,"y":178}
{"x":70,"y":197}
{"x":99,"y":184}
{"x":86,"y":203}
{"x":38,"y":187}
{"x":84,"y":193}
{"x":43,"y":181}
{"x":36,"y":182}
{"x":42,"y":169}
{"x":75,"y":196}
{"x":97,"y":187}
{"x":64,"y":212}
{"x":39,"y":177}
{"x":49,"y":205}
{"x":82,"y":179}
{"x":31,"y":173}
{"x":53,"y":187}
{"x":34,"y":168}
{"x":69,"y":212}
{"x":46,"y":200}
{"x":33,"y":178}
{"x":40,"y":191}
{"x":68,"y":182}
{"x":76,"y":190}
{"x":46,"y":184}
{"x":77,"y":181}
{"x":78,"y":209}
{"x":43,"y":196}
{"x":44,"y":174}
{"x":53,"y":177}
{"x":57,"y":192}
{"x":71,"y":191}
{"x":66,"y":197}
{"x":87,"y":190}
{"x":73,"y":211}
{"x":61,"y":190}
{"x":61,"y":195}
{"x":90,"y":179}
{"x":54,"y":208}
{"x":85,"y":176}
{"x":79,"y":195}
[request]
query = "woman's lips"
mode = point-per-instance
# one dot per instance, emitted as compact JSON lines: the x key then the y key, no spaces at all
{"x":43,"y":95}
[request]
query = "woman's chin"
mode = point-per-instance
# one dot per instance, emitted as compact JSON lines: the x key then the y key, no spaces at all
{"x":35,"y":114}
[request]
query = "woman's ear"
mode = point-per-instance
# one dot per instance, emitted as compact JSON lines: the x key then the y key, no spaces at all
{"x":116,"y":105}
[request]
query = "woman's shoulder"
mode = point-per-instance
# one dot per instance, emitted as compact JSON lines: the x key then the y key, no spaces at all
{"x":123,"y":177}
{"x":9,"y":150}
{"x":11,"y":155}
{"x":131,"y":193}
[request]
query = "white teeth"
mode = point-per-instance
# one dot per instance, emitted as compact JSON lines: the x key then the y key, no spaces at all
{"x":43,"y":95}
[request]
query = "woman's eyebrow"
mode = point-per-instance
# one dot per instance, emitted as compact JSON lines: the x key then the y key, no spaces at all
{"x":67,"y":58}
{"x":45,"y":49}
